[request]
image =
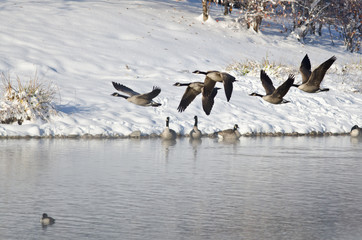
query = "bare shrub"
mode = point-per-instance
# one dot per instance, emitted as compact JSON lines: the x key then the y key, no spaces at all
{"x":26,"y":101}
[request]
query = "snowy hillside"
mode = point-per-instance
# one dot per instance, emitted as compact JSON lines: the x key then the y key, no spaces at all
{"x":82,"y":46}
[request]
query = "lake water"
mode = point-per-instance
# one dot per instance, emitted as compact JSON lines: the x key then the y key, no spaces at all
{"x":257,"y":188}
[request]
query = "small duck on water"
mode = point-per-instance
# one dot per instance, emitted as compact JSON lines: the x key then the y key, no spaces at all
{"x":356,"y":131}
{"x":46,"y":220}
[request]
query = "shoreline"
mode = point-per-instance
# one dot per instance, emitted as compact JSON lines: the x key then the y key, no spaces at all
{"x":139,"y":135}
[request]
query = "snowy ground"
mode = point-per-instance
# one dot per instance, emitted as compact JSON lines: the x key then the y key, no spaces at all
{"x":82,"y":46}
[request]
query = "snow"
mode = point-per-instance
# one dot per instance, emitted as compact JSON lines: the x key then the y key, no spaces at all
{"x":82,"y":46}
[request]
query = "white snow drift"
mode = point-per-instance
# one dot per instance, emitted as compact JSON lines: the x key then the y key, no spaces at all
{"x":82,"y":46}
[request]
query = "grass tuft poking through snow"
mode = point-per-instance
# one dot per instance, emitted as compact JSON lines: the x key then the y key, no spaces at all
{"x":252,"y":68}
{"x":30,"y":101}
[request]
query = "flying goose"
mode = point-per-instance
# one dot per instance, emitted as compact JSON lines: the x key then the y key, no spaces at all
{"x":193,"y":89}
{"x":356,"y":131}
{"x":230,"y":134}
{"x":168,"y":134}
{"x":137,"y":98}
{"x":195,"y":133}
{"x":311,"y":80}
{"x":215,"y":76}
{"x":46,"y":220}
{"x":273,"y":95}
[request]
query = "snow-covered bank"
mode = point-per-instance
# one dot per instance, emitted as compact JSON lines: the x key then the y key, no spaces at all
{"x":81,"y":47}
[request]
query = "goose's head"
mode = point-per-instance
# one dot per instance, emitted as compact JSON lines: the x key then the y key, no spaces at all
{"x":354,"y":127}
{"x":177,"y":84}
{"x":236,"y":127}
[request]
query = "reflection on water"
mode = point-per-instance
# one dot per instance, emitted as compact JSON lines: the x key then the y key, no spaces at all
{"x":167,"y":144}
{"x":255,"y":188}
{"x":195,"y":144}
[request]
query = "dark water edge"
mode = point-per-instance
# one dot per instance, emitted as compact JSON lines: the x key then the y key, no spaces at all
{"x":138,"y":135}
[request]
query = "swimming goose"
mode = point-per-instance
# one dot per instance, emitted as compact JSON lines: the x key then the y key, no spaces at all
{"x":230,"y":134}
{"x":356,"y":131}
{"x":193,"y":89}
{"x":137,"y":98}
{"x":168,"y":134}
{"x":215,"y":76}
{"x":273,"y":95}
{"x":46,"y":220}
{"x":195,"y":133}
{"x":311,"y":80}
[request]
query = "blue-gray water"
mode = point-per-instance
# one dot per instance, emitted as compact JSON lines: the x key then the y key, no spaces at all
{"x":257,"y":188}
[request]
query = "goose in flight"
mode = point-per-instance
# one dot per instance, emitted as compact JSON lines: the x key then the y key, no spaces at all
{"x":193,"y":89}
{"x":137,"y":98}
{"x":215,"y":76}
{"x":273,"y":95}
{"x":311,"y":80}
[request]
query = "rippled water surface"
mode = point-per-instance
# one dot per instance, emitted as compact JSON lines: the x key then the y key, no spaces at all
{"x":257,"y":188}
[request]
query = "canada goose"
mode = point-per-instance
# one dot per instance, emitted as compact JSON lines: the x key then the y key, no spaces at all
{"x":215,"y":76}
{"x":195,"y":133}
{"x":273,"y":95}
{"x":230,"y":134}
{"x":137,"y":98}
{"x":168,"y":134}
{"x":46,"y":220}
{"x":356,"y":131}
{"x":193,"y":89}
{"x":311,"y":80}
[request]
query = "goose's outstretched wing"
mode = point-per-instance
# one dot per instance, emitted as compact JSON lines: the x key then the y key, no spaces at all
{"x":305,"y":69}
{"x":228,"y":85}
{"x":318,"y":74}
{"x":154,"y":93}
{"x":208,"y":101}
{"x":189,"y":95}
{"x":209,"y":85}
{"x":123,"y":88}
{"x":266,"y":82}
{"x":284,"y":88}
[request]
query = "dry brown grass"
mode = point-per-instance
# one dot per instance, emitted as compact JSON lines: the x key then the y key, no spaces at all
{"x":31,"y":100}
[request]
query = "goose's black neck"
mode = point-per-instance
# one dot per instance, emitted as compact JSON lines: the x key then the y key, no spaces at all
{"x":256,"y":94}
{"x":119,"y":95}
{"x":181,"y":84}
{"x":323,"y":90}
{"x":200,"y":72}
{"x":195,"y":125}
{"x":167,"y":121}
